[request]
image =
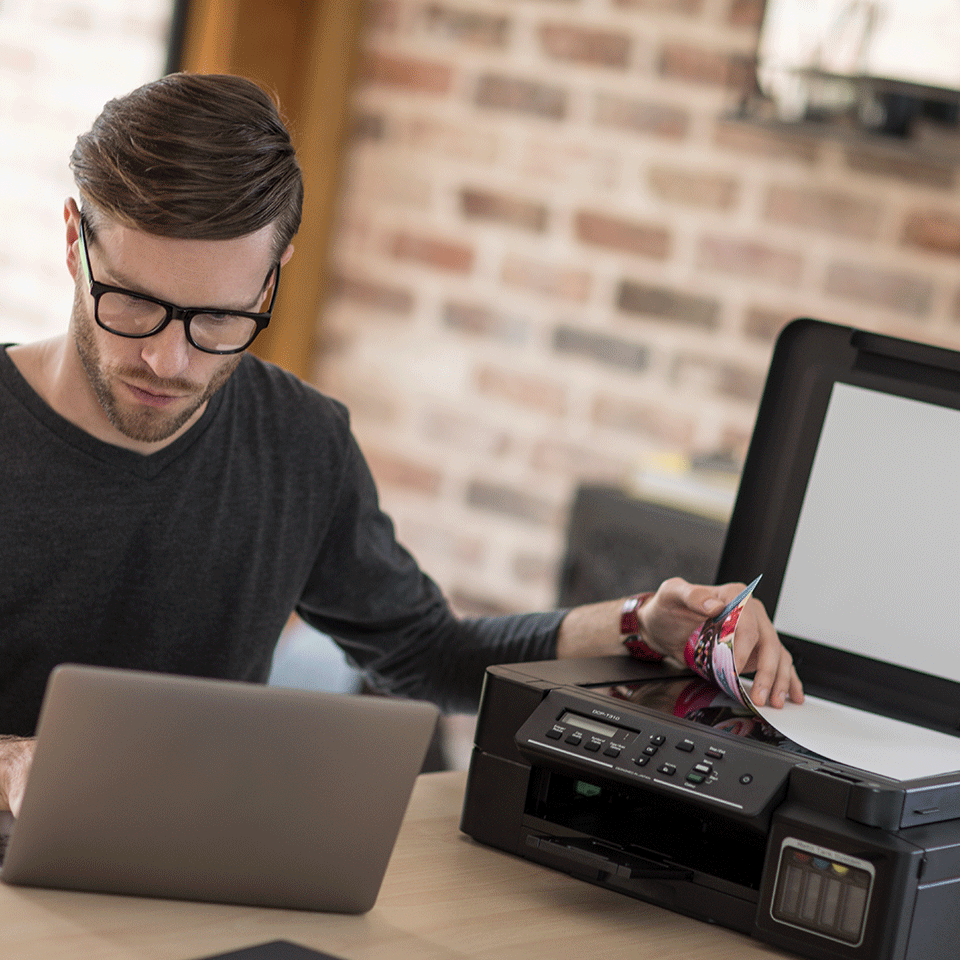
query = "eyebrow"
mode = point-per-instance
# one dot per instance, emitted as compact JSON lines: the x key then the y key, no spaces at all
{"x":118,"y":280}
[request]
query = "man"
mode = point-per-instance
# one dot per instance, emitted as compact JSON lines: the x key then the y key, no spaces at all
{"x":170,"y":500}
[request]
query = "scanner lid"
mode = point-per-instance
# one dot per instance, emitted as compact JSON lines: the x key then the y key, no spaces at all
{"x":849,"y":505}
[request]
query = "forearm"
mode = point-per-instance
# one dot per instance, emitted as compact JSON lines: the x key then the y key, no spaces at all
{"x":592,"y":630}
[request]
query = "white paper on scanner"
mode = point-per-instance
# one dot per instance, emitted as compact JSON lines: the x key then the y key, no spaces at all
{"x":867,"y":741}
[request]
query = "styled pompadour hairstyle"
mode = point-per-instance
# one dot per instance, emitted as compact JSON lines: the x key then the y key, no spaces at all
{"x":193,"y":156}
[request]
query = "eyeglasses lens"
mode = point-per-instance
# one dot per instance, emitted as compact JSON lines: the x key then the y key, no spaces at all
{"x":131,"y":316}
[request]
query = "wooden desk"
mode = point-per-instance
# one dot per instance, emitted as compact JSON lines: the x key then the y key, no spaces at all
{"x":444,"y":897}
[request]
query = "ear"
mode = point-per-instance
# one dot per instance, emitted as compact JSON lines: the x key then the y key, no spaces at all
{"x":286,"y":255}
{"x":71,"y":217}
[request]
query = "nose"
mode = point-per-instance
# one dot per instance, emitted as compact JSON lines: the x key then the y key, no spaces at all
{"x":167,"y":353}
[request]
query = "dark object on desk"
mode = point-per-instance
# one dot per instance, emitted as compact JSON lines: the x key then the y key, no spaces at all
{"x":846,"y":502}
{"x":274,"y":950}
{"x":618,"y":545}
{"x":194,"y":789}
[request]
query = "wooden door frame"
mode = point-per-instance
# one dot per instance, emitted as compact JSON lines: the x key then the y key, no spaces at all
{"x":305,"y":52}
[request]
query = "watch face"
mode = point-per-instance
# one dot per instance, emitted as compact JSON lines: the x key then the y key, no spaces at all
{"x":629,"y":622}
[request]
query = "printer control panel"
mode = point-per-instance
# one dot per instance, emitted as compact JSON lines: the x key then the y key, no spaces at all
{"x":639,"y":746}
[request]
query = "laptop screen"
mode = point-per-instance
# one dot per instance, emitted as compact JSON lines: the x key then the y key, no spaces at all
{"x":874,"y":567}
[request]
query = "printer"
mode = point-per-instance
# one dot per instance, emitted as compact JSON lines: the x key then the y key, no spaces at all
{"x":642,"y":779}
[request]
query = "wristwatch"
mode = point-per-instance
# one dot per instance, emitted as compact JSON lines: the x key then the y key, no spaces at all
{"x":630,"y":629}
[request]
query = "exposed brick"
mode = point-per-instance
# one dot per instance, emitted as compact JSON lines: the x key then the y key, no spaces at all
{"x":529,"y":568}
{"x":370,"y":293}
{"x":639,"y":116}
{"x":666,"y":304}
{"x":639,"y":239}
{"x":714,"y":376}
{"x":468,"y":603}
{"x":522,"y":389}
{"x":442,"y":254}
{"x":462,"y":141}
{"x":645,"y":419}
{"x":736,"y":440}
{"x":694,"y":64}
{"x":686,"y":8}
{"x":393,"y":470}
{"x":574,"y":162}
{"x":766,"y":142}
{"x":513,"y":211}
{"x":746,"y":13}
{"x":441,"y":424}
{"x":424,"y":537}
{"x":694,"y":189}
{"x":458,"y":22}
{"x":481,"y":320}
{"x":382,"y":15}
{"x":408,"y":73}
{"x":577,"y":459}
{"x":565,"y":283}
{"x":890,"y":289}
{"x":750,"y":258}
{"x":366,"y":401}
{"x":599,"y":48}
{"x":765,"y":324}
{"x":917,"y":170}
{"x":368,"y":126}
{"x":518,"y":504}
{"x":933,"y":231}
{"x":498,"y":92}
{"x":832,"y":211}
{"x":605,"y":349}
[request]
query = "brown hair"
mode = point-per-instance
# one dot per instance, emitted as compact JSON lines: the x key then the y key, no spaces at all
{"x":193,"y":156}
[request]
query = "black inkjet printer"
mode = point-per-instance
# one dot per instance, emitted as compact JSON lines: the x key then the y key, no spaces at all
{"x":641,"y":779}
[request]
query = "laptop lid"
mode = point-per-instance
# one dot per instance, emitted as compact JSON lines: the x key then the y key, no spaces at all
{"x":849,"y":505}
{"x":167,"y":786}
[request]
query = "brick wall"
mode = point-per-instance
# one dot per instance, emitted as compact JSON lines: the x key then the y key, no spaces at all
{"x":555,"y":256}
{"x":60,"y":61}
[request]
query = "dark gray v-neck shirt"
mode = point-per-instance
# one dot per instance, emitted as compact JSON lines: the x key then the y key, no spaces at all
{"x":191,"y":560}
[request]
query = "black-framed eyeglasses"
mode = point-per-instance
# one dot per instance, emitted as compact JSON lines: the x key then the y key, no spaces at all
{"x":136,"y":315}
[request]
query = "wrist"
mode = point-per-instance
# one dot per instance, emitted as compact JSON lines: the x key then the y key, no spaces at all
{"x":632,"y":635}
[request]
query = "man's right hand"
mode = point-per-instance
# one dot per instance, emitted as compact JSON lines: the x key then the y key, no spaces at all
{"x":16,"y":755}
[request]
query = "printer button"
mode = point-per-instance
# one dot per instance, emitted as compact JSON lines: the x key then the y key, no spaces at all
{"x":668,"y":768}
{"x":715,"y":753}
{"x":747,"y":778}
{"x":651,"y":750}
{"x":704,"y":768}
{"x":642,"y":760}
{"x":593,"y":745}
{"x":612,"y":751}
{"x":555,"y":733}
{"x":686,"y":746}
{"x":574,"y":738}
{"x":658,"y":739}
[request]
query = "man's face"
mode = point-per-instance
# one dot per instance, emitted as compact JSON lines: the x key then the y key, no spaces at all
{"x":152,"y":389}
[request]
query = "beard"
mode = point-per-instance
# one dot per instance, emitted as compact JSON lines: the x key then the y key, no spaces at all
{"x":139,"y":422}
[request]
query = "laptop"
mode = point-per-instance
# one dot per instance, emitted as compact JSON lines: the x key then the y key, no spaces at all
{"x":178,"y":787}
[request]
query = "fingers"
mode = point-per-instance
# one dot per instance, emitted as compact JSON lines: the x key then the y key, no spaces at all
{"x":16,"y":755}
{"x":758,"y":646}
{"x":775,"y":678}
{"x":701,"y":600}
